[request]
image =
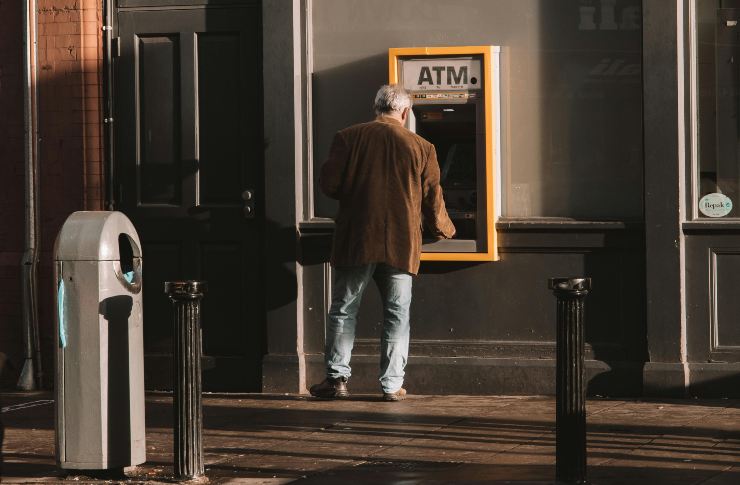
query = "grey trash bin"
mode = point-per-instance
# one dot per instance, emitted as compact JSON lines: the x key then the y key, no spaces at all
{"x":99,"y":360}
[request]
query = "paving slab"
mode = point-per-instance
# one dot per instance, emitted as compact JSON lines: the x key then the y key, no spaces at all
{"x":278,"y":439}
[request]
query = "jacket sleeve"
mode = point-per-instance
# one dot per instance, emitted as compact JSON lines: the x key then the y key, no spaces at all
{"x":432,"y":203}
{"x":332,"y":172}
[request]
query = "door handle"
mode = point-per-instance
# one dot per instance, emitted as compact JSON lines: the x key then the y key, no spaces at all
{"x":248,"y":209}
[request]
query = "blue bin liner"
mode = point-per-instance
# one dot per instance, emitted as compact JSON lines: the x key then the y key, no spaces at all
{"x":62,"y":322}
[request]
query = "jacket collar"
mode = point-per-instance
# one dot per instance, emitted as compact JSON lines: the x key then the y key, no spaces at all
{"x":387,"y":119}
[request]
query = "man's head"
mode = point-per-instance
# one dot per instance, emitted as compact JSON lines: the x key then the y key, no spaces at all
{"x":392,"y":100}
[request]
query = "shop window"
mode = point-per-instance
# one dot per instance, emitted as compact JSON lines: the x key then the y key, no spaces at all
{"x":716,"y":47}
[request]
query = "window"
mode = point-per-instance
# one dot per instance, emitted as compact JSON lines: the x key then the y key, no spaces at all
{"x":716,"y":43}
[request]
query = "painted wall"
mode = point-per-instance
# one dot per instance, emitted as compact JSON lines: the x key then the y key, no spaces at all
{"x":572,"y":100}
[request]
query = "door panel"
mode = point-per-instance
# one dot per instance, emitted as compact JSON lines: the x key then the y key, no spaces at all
{"x":218,"y":84}
{"x":188,"y":144}
{"x":159,"y":134}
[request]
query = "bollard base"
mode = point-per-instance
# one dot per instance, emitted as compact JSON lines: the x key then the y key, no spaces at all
{"x":194,"y":480}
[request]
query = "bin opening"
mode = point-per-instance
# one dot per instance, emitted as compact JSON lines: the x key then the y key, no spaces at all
{"x":126,"y":252}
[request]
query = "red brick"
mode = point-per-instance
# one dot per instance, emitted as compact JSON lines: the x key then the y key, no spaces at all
{"x":92,"y":130}
{"x":65,"y":41}
{"x":89,"y":65}
{"x":61,"y":53}
{"x":91,"y":39}
{"x":91,"y":52}
{"x":90,"y":27}
{"x":68,"y":28}
{"x":95,"y":160}
{"x":94,"y":142}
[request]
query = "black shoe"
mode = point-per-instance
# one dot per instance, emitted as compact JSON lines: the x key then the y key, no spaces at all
{"x":330,"y":388}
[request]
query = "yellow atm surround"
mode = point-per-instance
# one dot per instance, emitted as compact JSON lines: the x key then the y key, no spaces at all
{"x":456,"y":106}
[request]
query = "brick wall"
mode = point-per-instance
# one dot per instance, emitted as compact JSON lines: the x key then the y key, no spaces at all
{"x":70,"y":60}
{"x":11,"y":186}
{"x":70,"y":155}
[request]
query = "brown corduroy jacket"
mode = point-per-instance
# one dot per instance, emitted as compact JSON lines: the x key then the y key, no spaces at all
{"x":385,"y":178}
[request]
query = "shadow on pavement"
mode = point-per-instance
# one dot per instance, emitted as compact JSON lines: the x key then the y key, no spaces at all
{"x":28,"y":466}
{"x":447,"y":440}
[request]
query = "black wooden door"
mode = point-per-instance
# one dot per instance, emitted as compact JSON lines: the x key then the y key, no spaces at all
{"x":189,"y":145}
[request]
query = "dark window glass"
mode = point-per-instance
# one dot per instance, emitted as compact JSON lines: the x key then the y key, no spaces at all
{"x":718,"y":98}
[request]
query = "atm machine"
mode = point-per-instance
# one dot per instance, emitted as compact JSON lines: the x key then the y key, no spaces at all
{"x":455,"y":91}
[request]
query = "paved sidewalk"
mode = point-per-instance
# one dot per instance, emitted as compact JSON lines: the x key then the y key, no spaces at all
{"x":278,"y":439}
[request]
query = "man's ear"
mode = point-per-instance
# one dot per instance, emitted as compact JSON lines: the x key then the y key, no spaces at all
{"x":405,"y":114}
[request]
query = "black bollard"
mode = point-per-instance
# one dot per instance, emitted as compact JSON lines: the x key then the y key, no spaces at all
{"x":570,"y":392}
{"x":187,"y":349}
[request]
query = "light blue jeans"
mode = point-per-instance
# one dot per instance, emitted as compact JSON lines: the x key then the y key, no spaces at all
{"x":395,"y":291}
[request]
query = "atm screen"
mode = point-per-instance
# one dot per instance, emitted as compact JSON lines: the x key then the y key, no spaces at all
{"x":452,"y":130}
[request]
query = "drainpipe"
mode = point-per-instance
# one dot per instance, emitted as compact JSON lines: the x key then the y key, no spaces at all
{"x":110,"y":202}
{"x":30,"y":378}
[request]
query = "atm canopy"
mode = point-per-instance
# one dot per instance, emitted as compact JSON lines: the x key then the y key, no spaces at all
{"x":94,"y":236}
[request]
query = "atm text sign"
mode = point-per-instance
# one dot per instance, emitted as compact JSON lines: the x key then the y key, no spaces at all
{"x":441,"y":74}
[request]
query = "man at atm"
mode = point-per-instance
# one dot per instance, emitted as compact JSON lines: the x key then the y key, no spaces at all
{"x":386,"y":179}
